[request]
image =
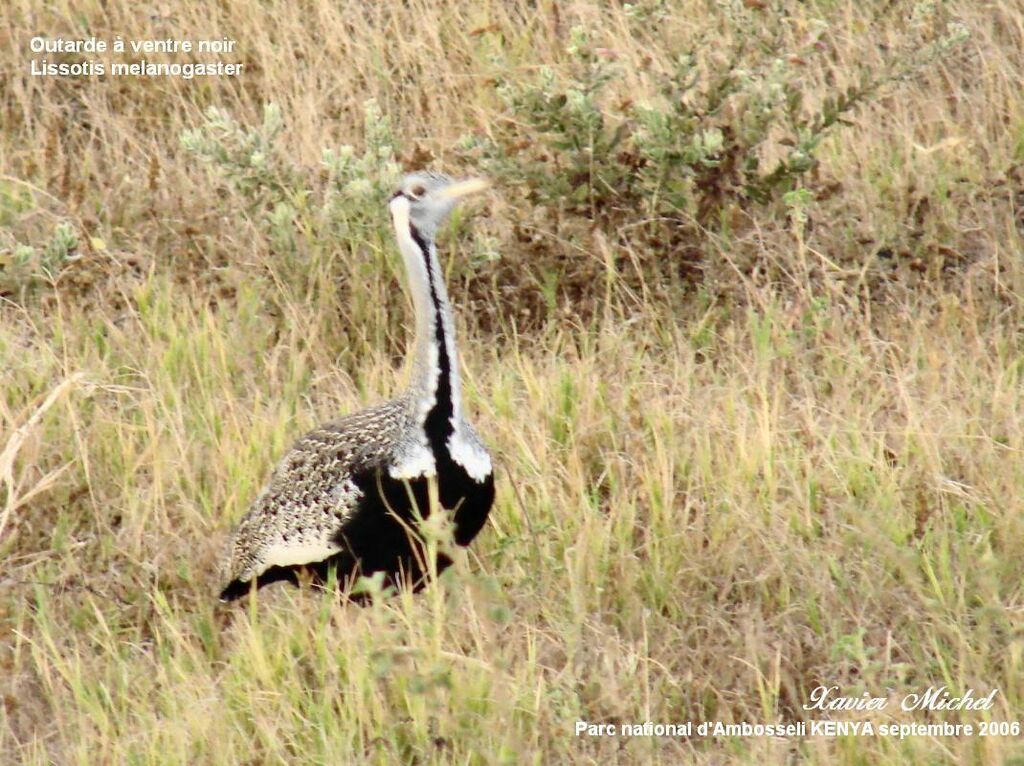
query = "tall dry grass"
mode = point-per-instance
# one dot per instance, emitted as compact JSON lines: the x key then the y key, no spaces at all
{"x":701,"y":515}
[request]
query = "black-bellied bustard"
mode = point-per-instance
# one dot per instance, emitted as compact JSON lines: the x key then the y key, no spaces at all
{"x":350,"y":494}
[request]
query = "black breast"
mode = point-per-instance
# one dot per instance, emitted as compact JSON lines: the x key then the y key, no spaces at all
{"x":382,"y":535}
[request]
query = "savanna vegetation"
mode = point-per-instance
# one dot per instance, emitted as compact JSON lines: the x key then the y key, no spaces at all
{"x":740,"y":320}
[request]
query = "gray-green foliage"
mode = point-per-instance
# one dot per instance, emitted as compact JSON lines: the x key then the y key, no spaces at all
{"x":24,"y":267}
{"x":306,"y":214}
{"x":251,"y":160}
{"x":359,"y":182}
{"x":579,"y":142}
{"x":244,"y":155}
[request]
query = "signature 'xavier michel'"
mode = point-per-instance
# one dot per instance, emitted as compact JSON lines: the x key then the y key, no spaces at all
{"x":349,"y":495}
{"x":933,"y":698}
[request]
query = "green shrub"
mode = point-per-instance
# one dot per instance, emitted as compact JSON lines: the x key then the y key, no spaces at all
{"x":718,"y":137}
{"x":275,"y":188}
{"x":25,"y":267}
{"x":322,"y":228}
{"x":730,"y":133}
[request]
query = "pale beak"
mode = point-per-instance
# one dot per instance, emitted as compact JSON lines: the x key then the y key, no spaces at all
{"x":463,"y":188}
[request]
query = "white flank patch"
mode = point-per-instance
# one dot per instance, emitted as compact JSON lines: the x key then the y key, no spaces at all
{"x":306,"y":552}
{"x":470,"y":455}
{"x":416,"y":460}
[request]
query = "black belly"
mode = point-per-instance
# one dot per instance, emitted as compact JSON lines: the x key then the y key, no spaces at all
{"x":382,"y":534}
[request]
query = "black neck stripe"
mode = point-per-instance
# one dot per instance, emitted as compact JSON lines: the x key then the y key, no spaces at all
{"x":421,"y":243}
{"x":438,"y":424}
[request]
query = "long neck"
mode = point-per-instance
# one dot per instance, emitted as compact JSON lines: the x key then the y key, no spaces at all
{"x":435,"y":385}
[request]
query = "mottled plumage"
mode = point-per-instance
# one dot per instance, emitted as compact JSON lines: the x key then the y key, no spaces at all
{"x":348,"y":493}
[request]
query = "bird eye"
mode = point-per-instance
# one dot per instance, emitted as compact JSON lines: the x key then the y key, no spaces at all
{"x":417,"y":191}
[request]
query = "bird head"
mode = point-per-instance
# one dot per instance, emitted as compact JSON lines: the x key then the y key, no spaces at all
{"x":428,"y":198}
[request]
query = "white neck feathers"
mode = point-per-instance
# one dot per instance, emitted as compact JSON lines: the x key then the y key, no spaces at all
{"x":430,"y":305}
{"x":433,"y":348}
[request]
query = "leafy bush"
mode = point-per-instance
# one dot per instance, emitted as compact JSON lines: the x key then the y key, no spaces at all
{"x":331,"y":229}
{"x":245,"y":156}
{"x":24,"y":267}
{"x":306,"y":217}
{"x":729,"y":130}
{"x":732,"y":130}
{"x":250,"y":160}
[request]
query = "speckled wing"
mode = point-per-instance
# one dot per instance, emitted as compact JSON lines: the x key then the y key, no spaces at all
{"x":311,"y":494}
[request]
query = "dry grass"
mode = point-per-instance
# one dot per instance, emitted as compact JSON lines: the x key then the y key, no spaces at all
{"x":699,"y":516}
